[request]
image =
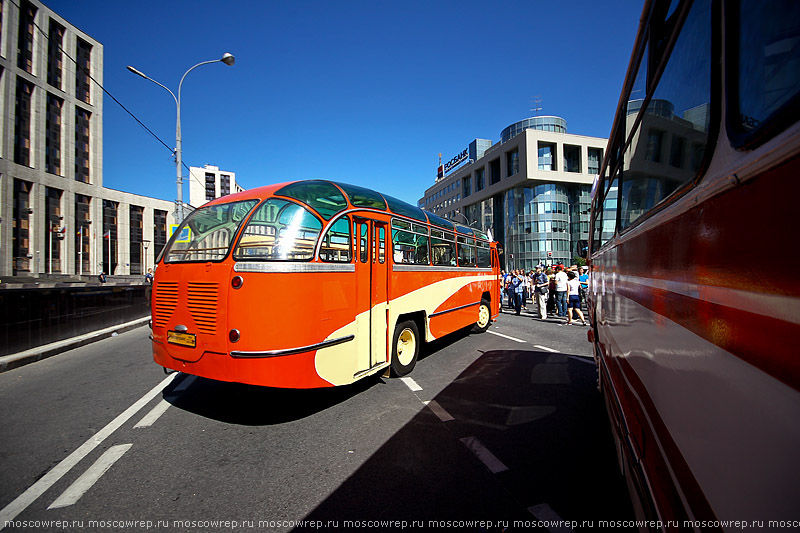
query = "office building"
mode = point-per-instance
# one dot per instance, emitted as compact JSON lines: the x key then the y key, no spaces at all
{"x":209,"y":183}
{"x":56,"y":218}
{"x":532,"y":189}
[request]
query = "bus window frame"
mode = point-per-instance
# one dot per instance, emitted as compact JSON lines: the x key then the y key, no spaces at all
{"x":655,"y":71}
{"x":776,"y":123}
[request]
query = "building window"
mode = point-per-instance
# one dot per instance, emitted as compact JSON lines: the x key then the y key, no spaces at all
{"x":494,"y":171}
{"x":512,"y":162}
{"x":110,"y":239}
{"x":654,"y":141}
{"x":55,"y":229}
{"x":82,"y":118}
{"x":547,"y":156}
{"x":20,"y":232}
{"x":55,"y":57}
{"x":82,"y":72}
{"x":677,"y":150}
{"x":27,"y":15}
{"x":595,"y":160}
{"x":224,"y":184}
{"x":159,"y":231}
{"x":467,"y":186}
{"x":52,"y":154}
{"x":137,"y":239}
{"x":479,"y":180}
{"x":82,"y":232}
{"x":572,"y":158}
{"x":22,"y":123}
{"x":211,"y":186}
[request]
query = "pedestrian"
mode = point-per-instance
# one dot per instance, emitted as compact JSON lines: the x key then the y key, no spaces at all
{"x":540,"y":283}
{"x":561,"y":291}
{"x":584,"y":283}
{"x":102,"y":277}
{"x":148,"y":278}
{"x":517,"y":286}
{"x":574,"y":303}
{"x":551,"y":293}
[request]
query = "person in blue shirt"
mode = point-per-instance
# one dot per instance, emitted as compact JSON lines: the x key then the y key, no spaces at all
{"x":584,"y":282}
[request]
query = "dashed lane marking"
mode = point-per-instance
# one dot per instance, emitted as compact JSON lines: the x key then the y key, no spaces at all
{"x":10,"y":511}
{"x":150,"y":418}
{"x":545,"y":348}
{"x":90,"y":477}
{"x":411,"y":384}
{"x":494,"y":464}
{"x":506,"y":337}
{"x":439,"y":411}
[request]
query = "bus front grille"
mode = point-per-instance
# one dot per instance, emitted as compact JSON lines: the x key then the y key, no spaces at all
{"x":202,"y":303}
{"x":166,"y":302}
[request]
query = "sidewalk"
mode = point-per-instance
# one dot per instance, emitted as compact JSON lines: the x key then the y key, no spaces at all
{"x":9,"y":362}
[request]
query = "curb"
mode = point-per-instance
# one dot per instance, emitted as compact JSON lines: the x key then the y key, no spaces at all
{"x":10,"y":362}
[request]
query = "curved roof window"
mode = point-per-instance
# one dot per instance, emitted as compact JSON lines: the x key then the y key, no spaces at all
{"x":400,"y":207}
{"x":321,"y":196}
{"x":436,"y":220}
{"x":363,"y":197}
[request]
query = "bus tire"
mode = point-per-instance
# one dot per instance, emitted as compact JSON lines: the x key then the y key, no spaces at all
{"x":484,"y":317}
{"x":405,"y":348}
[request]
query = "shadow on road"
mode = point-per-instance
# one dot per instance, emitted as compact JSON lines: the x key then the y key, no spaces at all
{"x":538,"y":413}
{"x":251,"y":405}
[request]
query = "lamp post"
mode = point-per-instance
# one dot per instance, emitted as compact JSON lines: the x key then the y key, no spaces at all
{"x":226,"y":58}
{"x":462,"y":215}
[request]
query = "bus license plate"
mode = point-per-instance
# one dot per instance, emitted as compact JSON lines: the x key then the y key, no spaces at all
{"x":182,"y":339}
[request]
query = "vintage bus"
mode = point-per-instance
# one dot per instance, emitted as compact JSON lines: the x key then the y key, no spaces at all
{"x":694,"y":298}
{"x":314,"y":284}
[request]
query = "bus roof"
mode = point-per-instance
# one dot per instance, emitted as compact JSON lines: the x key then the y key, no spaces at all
{"x":328,"y":198}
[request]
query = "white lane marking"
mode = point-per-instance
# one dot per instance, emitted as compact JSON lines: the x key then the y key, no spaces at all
{"x":90,"y":477}
{"x":506,"y":336}
{"x":488,"y":458}
{"x":544,"y":513}
{"x":439,"y":411}
{"x":411,"y":384}
{"x":10,"y":511}
{"x":150,"y":418}
{"x":545,"y":348}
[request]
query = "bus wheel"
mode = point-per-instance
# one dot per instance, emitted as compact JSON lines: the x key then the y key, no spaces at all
{"x":484,"y":318}
{"x":405,"y":348}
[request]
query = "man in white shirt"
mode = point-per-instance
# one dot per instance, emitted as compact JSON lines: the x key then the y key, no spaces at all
{"x":561,"y":291}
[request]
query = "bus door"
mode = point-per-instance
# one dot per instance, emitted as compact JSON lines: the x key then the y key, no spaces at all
{"x":372,"y":294}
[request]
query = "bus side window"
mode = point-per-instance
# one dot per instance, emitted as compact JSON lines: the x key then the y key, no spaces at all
{"x":667,"y":150}
{"x":336,"y":245}
{"x":764,"y":69}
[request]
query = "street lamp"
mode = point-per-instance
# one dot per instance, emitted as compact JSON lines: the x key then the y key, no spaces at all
{"x":226,"y":58}
{"x":462,"y":215}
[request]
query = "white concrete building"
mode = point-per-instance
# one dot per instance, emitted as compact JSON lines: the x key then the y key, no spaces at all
{"x":209,"y":183}
{"x":55,"y":215}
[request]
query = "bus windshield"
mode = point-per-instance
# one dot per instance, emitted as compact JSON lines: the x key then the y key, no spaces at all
{"x":207,"y":234}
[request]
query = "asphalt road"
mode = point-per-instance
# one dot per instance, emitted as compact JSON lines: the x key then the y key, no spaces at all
{"x":492,"y":432}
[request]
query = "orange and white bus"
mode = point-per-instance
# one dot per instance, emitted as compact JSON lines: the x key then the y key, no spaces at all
{"x":693,"y":293}
{"x":315,"y":284}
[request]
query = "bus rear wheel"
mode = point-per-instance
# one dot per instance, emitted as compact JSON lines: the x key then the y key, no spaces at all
{"x":484,"y":317}
{"x":405,"y":348}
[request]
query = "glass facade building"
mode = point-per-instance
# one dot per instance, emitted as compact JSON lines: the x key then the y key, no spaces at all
{"x":532,"y":189}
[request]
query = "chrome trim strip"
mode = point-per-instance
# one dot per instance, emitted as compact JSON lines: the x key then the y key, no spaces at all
{"x":433,"y":315}
{"x":292,"y":267}
{"x":426,"y":268}
{"x":293,"y":351}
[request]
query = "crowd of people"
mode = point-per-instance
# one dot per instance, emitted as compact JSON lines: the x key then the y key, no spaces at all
{"x":556,"y":291}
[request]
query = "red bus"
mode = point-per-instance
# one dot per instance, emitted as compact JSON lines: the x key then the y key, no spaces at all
{"x":694,"y":300}
{"x":315,"y":284}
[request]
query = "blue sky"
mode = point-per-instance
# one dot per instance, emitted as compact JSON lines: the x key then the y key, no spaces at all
{"x":367,"y":93}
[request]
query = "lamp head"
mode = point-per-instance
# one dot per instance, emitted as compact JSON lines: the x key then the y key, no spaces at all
{"x":228,"y":59}
{"x":137,"y":72}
